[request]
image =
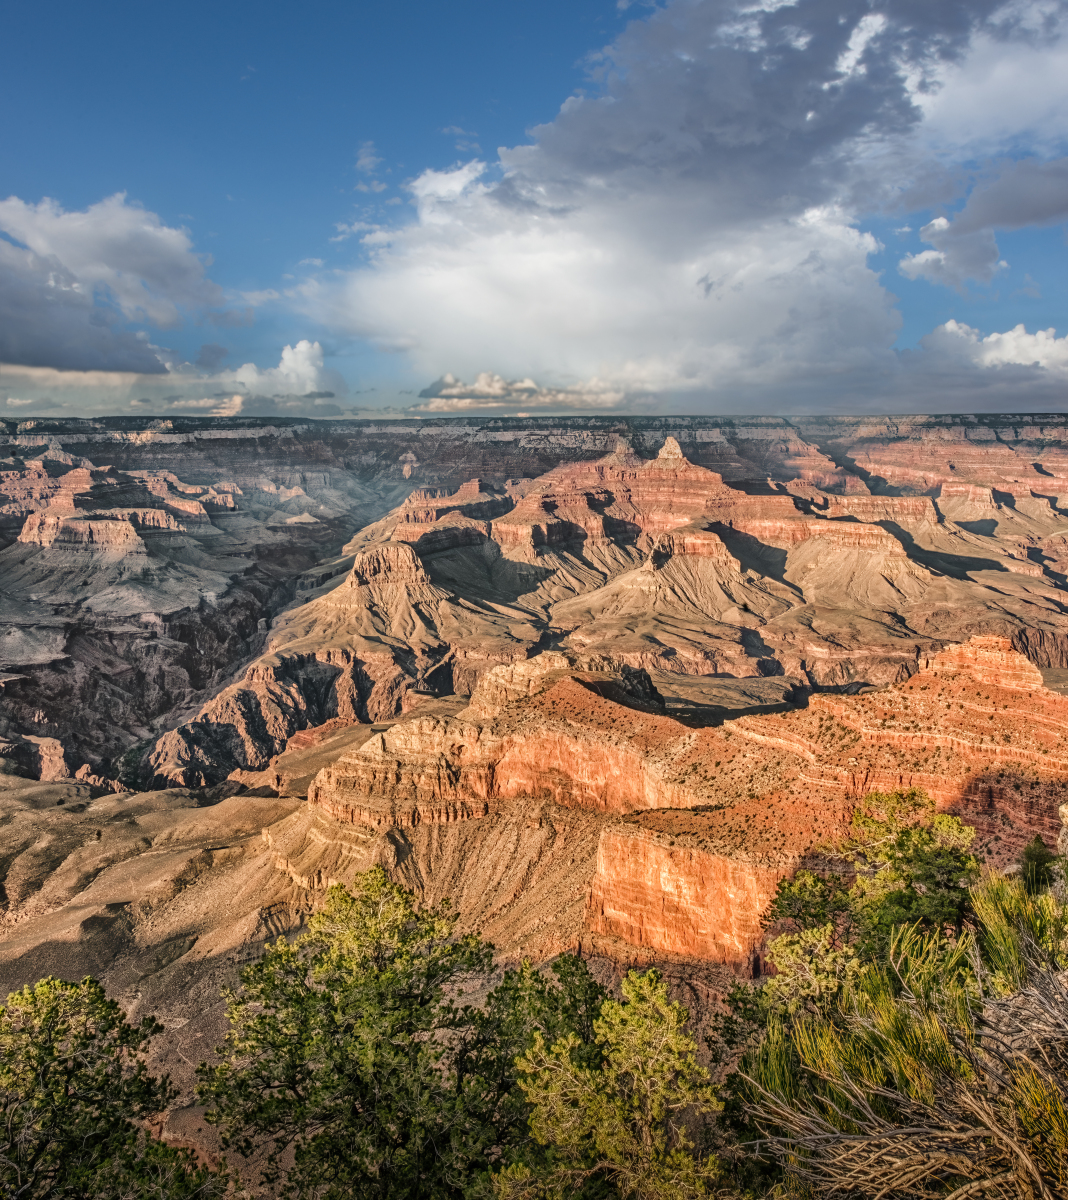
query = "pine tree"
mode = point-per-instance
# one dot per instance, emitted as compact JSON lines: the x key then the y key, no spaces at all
{"x":1036,"y":865}
{"x":75,"y":1094}
{"x":618,"y":1128}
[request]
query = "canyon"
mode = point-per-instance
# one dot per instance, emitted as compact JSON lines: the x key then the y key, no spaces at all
{"x":602,"y":682}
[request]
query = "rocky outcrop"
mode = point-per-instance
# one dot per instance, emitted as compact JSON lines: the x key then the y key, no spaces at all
{"x":434,"y":770}
{"x":128,"y":596}
{"x":655,"y":565}
{"x":680,"y":883}
{"x":116,"y":535}
{"x":990,"y":661}
{"x":692,"y":546}
{"x":699,"y":825}
{"x":361,"y":653}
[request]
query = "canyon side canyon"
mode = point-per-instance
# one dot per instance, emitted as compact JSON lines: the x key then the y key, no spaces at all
{"x":600,"y":682}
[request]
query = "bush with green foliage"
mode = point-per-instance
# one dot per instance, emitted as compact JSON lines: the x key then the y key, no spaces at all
{"x":353,"y":1055}
{"x":76,"y":1095}
{"x":902,"y":867}
{"x":913,"y":866}
{"x":902,"y":863}
{"x":941,"y":1073}
{"x":1037,"y":863}
{"x":617,"y":1127}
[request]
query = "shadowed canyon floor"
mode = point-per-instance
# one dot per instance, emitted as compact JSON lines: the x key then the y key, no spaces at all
{"x":601,"y":683}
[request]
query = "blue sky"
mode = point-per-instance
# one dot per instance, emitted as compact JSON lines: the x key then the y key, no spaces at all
{"x":244,"y":122}
{"x":706,"y":205}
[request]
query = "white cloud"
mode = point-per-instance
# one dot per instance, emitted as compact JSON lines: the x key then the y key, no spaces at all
{"x":492,"y":393}
{"x":299,"y":371}
{"x":1016,"y":347}
{"x":299,"y":386}
{"x":851,"y":60}
{"x":367,"y":159}
{"x":70,"y":280}
{"x":1009,"y":89}
{"x":148,"y":268}
{"x":694,"y":228}
{"x":345,"y":231}
{"x":582,"y":297}
{"x":956,"y":257}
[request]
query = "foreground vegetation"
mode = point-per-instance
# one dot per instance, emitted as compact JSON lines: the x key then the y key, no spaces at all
{"x":913,"y":1042}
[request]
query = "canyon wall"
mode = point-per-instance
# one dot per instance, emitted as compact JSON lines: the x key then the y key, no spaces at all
{"x":695,"y":826}
{"x":181,"y":602}
{"x":145,"y":557}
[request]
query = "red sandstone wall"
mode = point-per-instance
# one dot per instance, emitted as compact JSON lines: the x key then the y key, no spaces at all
{"x":679,"y":900}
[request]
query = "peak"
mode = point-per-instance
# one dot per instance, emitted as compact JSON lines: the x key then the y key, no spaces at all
{"x":387,"y":562}
{"x":671,"y":451}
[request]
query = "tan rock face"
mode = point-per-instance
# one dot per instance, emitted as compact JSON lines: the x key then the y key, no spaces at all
{"x":730,"y":550}
{"x":660,"y":886}
{"x":739,"y":548}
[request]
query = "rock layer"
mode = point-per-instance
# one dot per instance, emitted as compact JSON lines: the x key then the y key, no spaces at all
{"x":848,"y":549}
{"x":700,"y":824}
{"x":655,"y":564}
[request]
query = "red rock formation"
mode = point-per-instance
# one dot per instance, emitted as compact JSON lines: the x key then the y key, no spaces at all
{"x":659,"y":564}
{"x":679,"y":883}
{"x":990,"y":661}
{"x":720,"y":814}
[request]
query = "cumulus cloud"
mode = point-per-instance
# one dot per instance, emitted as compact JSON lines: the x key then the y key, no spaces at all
{"x":299,"y":386}
{"x":1029,"y":192}
{"x":1010,"y":88}
{"x":299,"y":371}
{"x":1015,"y":347}
{"x":959,"y":254}
{"x":491,"y":393}
{"x":69,"y":282}
{"x":694,"y":226}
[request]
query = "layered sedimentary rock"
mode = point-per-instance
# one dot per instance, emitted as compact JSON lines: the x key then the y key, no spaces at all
{"x":694,"y":826}
{"x":682,"y":883}
{"x":128,"y":594}
{"x":853,"y":546}
{"x":655,"y":564}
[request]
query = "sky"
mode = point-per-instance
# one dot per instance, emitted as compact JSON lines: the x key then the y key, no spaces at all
{"x":475,"y":208}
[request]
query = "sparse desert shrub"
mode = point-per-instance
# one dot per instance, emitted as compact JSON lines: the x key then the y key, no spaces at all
{"x":931,"y":1078}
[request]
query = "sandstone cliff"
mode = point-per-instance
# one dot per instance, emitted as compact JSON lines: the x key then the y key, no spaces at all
{"x":853,"y":547}
{"x":694,"y":826}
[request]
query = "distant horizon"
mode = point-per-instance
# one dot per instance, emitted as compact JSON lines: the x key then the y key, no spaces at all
{"x":606,"y":420}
